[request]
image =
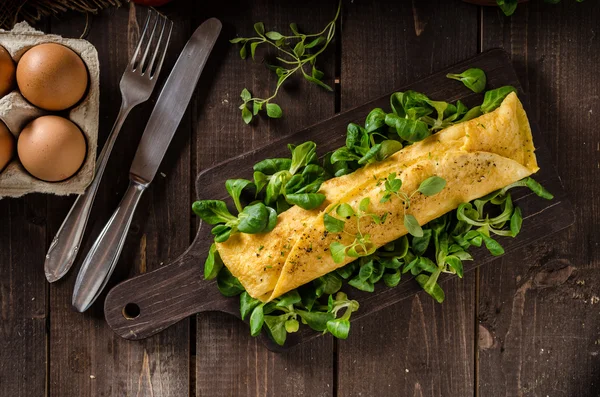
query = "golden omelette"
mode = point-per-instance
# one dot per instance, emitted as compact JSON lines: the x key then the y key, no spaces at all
{"x":475,"y":158}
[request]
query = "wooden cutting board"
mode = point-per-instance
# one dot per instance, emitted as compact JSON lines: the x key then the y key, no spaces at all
{"x":147,"y":304}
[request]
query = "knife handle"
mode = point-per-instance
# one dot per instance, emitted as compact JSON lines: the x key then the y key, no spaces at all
{"x":102,"y":258}
{"x":65,"y":245}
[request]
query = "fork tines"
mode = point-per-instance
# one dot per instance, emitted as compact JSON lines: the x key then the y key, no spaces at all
{"x":140,"y":62}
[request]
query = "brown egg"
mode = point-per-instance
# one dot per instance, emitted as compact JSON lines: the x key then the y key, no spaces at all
{"x":52,"y":76}
{"x":51,"y":148}
{"x":7,"y":146}
{"x":7,"y":72}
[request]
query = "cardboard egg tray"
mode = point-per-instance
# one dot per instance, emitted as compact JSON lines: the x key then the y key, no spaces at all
{"x":16,"y":112}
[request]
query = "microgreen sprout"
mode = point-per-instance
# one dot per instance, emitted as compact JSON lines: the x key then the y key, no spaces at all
{"x":297,"y":51}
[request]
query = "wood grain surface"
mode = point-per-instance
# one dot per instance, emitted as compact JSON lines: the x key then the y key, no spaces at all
{"x":528,"y":325}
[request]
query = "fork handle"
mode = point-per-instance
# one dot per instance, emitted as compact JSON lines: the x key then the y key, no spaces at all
{"x":102,"y":258}
{"x":65,"y":245}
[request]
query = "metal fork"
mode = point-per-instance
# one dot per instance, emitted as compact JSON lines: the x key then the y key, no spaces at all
{"x":136,"y":86}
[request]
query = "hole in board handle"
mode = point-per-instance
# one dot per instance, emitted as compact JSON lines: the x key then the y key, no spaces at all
{"x":131,"y":311}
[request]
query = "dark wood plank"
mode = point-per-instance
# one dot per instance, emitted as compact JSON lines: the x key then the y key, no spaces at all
{"x":223,"y":345}
{"x":86,"y":358}
{"x":538,"y":319}
{"x":23,"y":309}
{"x":415,"y":347}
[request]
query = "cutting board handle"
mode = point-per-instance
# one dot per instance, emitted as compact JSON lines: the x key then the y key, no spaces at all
{"x":144,"y":305}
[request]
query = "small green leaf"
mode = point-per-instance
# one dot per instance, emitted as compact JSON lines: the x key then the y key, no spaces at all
{"x":247,"y":304}
{"x":538,"y":189}
{"x":272,"y":220}
{"x":388,"y":147}
{"x":299,"y":49}
{"x":301,"y":155}
{"x":317,"y":74}
{"x":246,"y":115}
{"x":493,"y":98}
{"x":436,"y":291}
{"x":259,"y":27}
{"x":235,"y":187}
{"x":407,"y":129}
{"x":492,"y":245}
{"x":253,"y":218}
{"x":289,"y":298}
{"x":375,"y":120}
{"x":456,"y":264}
{"x":315,"y":320}
{"x":238,"y":40}
{"x":253,"y":48}
{"x":317,"y":82}
{"x":276,"y":327}
{"x":345,"y":210}
{"x":245,"y":95}
{"x":213,"y":263}
{"x":339,"y":328}
{"x":221,"y":233}
{"x":292,"y":325}
{"x":392,"y":279}
{"x":516,"y":220}
{"x":328,"y":284}
{"x":432,"y":185}
{"x":338,"y":252}
{"x":294,"y":28}
{"x":307,"y":201}
{"x":274,"y":36}
{"x":364,"y":204}
{"x":508,"y":7}
{"x":315,"y":42}
{"x":412,"y":225}
{"x":256,"y":107}
{"x":243,"y":53}
{"x":371,"y":155}
{"x":228,"y":285}
{"x":473,"y":78}
{"x":333,"y":224}
{"x":420,"y":244}
{"x":362,"y":285}
{"x":212,"y":211}
{"x":274,"y":111}
{"x":257,"y":320}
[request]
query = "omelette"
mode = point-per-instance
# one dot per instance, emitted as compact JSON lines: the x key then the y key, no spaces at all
{"x":475,"y":158}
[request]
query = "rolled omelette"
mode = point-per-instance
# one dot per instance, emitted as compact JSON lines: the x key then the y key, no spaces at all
{"x":475,"y":158}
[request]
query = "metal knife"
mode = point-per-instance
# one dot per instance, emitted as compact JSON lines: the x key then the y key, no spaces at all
{"x":172,"y":102}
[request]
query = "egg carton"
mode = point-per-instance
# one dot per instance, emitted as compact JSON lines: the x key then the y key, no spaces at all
{"x":16,"y":112}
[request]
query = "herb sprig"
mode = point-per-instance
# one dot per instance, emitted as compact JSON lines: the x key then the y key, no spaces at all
{"x":429,"y":187}
{"x":296,"y":52}
{"x":362,"y":244}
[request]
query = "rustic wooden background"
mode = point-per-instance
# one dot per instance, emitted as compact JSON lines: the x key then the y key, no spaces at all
{"x":526,"y":325}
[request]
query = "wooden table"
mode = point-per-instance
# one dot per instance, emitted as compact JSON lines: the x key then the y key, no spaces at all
{"x":528,"y":324}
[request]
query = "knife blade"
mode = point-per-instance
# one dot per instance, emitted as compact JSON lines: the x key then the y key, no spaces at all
{"x":173,"y":101}
{"x":170,"y":107}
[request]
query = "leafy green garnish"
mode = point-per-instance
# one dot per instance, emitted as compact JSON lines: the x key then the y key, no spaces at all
{"x":213,"y":263}
{"x":493,"y":98}
{"x":474,"y":79}
{"x":362,"y":244}
{"x":429,"y":187}
{"x":297,"y":51}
